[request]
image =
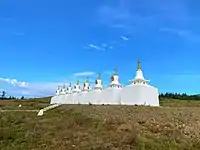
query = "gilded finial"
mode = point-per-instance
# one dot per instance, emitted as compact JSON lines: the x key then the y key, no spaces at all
{"x":87,"y":80}
{"x":139,"y":67}
{"x":115,"y":71}
{"x":99,"y":76}
{"x":77,"y":81}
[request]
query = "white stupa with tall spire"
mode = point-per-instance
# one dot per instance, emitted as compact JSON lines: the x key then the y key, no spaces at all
{"x":139,"y":78}
{"x":138,"y":92}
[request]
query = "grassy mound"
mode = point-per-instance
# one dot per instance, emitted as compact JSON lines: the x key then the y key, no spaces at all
{"x":175,"y":127}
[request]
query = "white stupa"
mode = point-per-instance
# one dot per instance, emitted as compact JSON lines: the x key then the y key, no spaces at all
{"x":76,"y":92}
{"x":84,"y":96}
{"x":55,"y":99}
{"x":76,"y":88}
{"x":63,"y":90}
{"x":86,"y":86}
{"x":139,"y":92}
{"x":69,"y":89}
{"x":95,"y":96}
{"x":98,"y":84}
{"x":111,"y":95}
{"x":69,"y":95}
{"x":62,"y":94}
{"x":115,"y":80}
{"x":58,"y":91}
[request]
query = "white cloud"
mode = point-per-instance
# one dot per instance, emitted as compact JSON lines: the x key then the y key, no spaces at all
{"x":86,"y":73}
{"x":14,"y":82}
{"x":124,"y":38}
{"x":34,"y":89}
{"x":104,"y":45}
{"x":110,"y":47}
{"x":96,"y":47}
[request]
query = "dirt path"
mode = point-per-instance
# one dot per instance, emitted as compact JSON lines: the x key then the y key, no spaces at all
{"x":19,"y":110}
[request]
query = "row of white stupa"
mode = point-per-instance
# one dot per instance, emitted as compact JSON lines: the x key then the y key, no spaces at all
{"x":139,"y":92}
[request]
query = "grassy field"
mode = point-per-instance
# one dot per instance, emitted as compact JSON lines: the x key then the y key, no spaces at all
{"x":174,"y":126}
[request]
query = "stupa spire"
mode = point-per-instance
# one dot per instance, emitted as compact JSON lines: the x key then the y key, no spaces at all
{"x":115,"y":71}
{"x":138,"y":65}
{"x":139,"y":78}
{"x":99,"y":76}
{"x":77,"y":82}
{"x":87,"y":80}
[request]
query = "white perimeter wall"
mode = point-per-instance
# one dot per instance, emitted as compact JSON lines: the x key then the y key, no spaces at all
{"x":140,"y":95}
{"x":130,"y":95}
{"x":111,"y":96}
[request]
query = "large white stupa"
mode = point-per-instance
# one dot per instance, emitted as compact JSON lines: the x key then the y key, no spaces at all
{"x":139,"y":92}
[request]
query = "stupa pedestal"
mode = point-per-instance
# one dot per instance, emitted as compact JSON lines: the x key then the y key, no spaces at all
{"x":95,"y":95}
{"x":76,"y":92}
{"x":67,"y":100}
{"x":84,"y":95}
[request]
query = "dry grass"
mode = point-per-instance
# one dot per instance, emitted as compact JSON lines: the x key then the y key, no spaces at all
{"x":26,"y":104}
{"x":104,"y":127}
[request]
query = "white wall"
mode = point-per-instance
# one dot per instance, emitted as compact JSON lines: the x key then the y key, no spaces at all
{"x":83,"y":98}
{"x":140,"y":95}
{"x":76,"y":97}
{"x":70,"y":99}
{"x":111,"y":96}
{"x":95,"y":97}
{"x":129,"y":95}
{"x":53,"y":100}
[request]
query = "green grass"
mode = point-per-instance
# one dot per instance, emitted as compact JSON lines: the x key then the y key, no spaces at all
{"x":174,"y":126}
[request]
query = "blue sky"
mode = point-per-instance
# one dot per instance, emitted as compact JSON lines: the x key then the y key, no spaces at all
{"x":47,"y":43}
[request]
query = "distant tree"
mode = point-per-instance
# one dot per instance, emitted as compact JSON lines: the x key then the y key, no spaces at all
{"x":3,"y":94}
{"x":22,"y":97}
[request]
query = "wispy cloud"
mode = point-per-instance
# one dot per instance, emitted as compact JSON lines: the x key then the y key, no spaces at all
{"x":124,"y":38}
{"x":114,"y":16}
{"x":85,"y":73}
{"x":18,"y":33}
{"x":130,"y":15}
{"x":104,"y":45}
{"x":110,"y":47}
{"x":18,"y":89}
{"x":94,"y":47}
{"x":185,"y":34}
{"x":107,"y":45}
{"x":14,"y":82}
